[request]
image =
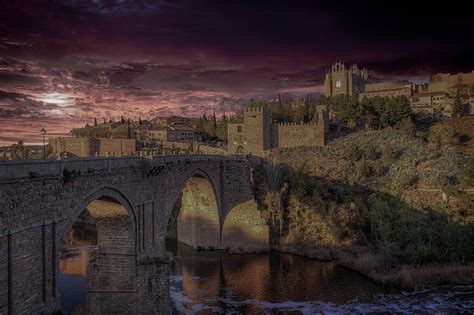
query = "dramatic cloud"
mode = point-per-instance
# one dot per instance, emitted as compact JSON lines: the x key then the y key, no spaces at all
{"x":64,"y":63}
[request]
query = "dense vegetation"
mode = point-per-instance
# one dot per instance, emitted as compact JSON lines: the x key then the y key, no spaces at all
{"x":213,"y":127}
{"x":352,"y":192}
{"x":376,"y":112}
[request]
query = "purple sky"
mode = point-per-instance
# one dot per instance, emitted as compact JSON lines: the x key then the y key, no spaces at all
{"x":64,"y":63}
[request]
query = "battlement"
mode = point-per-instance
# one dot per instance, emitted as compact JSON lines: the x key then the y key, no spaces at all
{"x":298,"y":124}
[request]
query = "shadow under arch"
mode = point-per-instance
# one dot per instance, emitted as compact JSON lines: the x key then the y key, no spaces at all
{"x":196,"y":211}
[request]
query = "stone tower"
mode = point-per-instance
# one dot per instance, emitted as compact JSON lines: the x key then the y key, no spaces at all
{"x":257,"y":123}
{"x":343,"y":80}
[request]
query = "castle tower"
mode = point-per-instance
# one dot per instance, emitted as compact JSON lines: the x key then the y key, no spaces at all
{"x":257,"y":127}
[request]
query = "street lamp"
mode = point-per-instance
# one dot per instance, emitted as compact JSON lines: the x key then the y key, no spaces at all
{"x":43,"y":133}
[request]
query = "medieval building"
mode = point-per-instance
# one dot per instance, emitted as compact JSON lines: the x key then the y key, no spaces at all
{"x":346,"y":81}
{"x":256,"y":133}
{"x":435,"y":99}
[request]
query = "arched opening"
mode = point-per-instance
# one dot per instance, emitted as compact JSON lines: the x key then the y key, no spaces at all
{"x":98,"y":255}
{"x":195,"y":219}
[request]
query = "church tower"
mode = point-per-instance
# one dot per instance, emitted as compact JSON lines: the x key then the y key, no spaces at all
{"x":345,"y":81}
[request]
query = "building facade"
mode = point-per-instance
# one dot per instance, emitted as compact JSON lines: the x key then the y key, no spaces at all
{"x":89,"y":147}
{"x":388,"y":89}
{"x":257,"y":134}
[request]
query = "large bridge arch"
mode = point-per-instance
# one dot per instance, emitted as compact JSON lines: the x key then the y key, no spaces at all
{"x":196,"y":211}
{"x":83,"y":202}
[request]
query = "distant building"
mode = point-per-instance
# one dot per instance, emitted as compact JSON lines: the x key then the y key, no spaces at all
{"x":347,"y":81}
{"x":435,"y":99}
{"x":180,"y":133}
{"x":88,"y":147}
{"x":157,"y":134}
{"x":257,"y":134}
{"x":388,"y":89}
{"x":452,"y":83}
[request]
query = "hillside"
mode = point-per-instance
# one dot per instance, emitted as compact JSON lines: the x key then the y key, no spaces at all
{"x":379,"y":202}
{"x":386,"y":160}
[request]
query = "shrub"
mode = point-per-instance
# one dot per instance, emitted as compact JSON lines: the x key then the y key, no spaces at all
{"x":467,"y":173}
{"x":353,"y":153}
{"x":379,"y":169}
{"x":371,"y":153}
{"x":389,"y":153}
{"x":407,"y":180}
{"x":407,"y":127}
{"x":363,"y":169}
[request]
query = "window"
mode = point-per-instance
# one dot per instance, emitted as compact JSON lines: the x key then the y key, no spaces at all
{"x":239,"y":128}
{"x":338,"y":83}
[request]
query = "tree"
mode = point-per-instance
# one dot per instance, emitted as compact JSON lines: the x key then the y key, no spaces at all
{"x":95,"y":121}
{"x":458,"y":105}
{"x":346,"y":108}
{"x":221,"y":131}
{"x":309,"y":109}
{"x":19,"y":151}
{"x":382,"y":112}
{"x":276,"y":194}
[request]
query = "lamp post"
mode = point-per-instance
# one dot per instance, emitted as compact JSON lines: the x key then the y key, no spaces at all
{"x":43,"y":133}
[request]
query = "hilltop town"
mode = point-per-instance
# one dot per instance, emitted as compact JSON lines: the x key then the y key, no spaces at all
{"x":353,"y":100}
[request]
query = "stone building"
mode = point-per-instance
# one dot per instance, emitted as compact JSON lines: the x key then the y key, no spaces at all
{"x":346,"y":81}
{"x":434,"y":99}
{"x":388,"y":89}
{"x":88,"y":147}
{"x":257,"y":134}
{"x":157,"y":134}
{"x":452,"y":83}
{"x":180,"y":133}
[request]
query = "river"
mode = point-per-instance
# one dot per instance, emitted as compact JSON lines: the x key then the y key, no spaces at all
{"x":272,"y":283}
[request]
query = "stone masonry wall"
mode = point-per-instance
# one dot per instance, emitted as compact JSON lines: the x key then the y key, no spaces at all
{"x":292,"y":135}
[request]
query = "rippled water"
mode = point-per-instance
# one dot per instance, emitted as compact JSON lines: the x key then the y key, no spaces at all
{"x":272,"y":283}
{"x":275,"y":283}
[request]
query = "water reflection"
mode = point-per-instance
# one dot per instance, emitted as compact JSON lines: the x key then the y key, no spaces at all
{"x":215,"y":282}
{"x":219,"y":282}
{"x":99,"y":272}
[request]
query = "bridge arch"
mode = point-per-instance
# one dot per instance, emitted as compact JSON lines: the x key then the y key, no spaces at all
{"x":100,"y":232}
{"x":103,"y":192}
{"x":196,"y":213}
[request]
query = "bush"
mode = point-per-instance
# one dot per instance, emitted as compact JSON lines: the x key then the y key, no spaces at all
{"x":389,"y":153}
{"x":407,"y":180}
{"x":353,"y":153}
{"x":363,"y":169}
{"x":407,"y":127}
{"x":371,"y":153}
{"x":418,"y":237}
{"x":379,"y":169}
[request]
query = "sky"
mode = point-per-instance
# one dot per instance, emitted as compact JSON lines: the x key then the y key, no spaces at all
{"x":64,"y":63}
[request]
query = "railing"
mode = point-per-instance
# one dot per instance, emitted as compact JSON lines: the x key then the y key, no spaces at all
{"x":16,"y":169}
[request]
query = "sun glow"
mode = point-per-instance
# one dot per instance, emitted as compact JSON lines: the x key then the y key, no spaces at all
{"x":55,"y":98}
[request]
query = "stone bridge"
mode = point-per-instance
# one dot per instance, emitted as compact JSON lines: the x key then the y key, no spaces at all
{"x":41,"y":200}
